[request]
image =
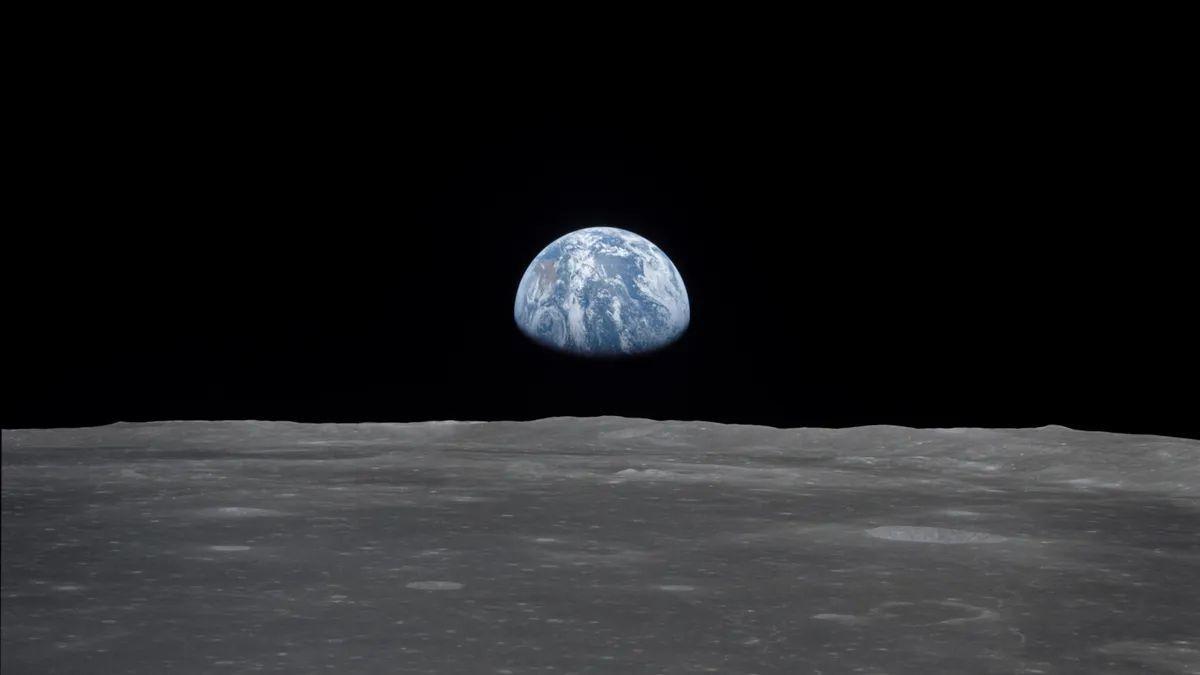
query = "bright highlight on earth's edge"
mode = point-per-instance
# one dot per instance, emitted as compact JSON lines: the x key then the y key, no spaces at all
{"x":602,"y":291}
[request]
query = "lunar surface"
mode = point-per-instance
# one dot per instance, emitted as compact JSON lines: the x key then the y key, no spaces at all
{"x":597,"y":545}
{"x":602,"y":291}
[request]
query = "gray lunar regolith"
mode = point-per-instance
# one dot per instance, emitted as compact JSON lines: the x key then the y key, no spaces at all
{"x":597,"y":545}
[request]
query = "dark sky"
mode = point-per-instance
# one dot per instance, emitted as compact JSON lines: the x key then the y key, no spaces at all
{"x":972,"y":244}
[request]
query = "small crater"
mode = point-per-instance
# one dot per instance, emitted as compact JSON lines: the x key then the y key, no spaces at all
{"x":434,"y":585}
{"x":844,"y":619}
{"x":647,"y":474}
{"x":468,"y":499}
{"x":931,"y":612}
{"x":238,"y":512}
{"x":933,"y":535}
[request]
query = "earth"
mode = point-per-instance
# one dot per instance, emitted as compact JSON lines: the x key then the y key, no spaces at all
{"x":602,"y":291}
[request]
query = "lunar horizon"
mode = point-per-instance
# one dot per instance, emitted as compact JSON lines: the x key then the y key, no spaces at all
{"x":599,"y":544}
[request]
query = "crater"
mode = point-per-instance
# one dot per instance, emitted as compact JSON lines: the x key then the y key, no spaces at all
{"x":238,"y":512}
{"x":930,"y":612}
{"x":434,"y":585}
{"x":844,"y":619}
{"x":933,"y":535}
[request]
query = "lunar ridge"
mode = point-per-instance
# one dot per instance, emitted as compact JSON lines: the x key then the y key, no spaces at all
{"x":598,"y":545}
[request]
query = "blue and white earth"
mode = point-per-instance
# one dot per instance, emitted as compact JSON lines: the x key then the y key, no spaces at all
{"x":602,"y":291}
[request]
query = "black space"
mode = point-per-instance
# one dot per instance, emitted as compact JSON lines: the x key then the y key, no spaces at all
{"x":949,"y":242}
